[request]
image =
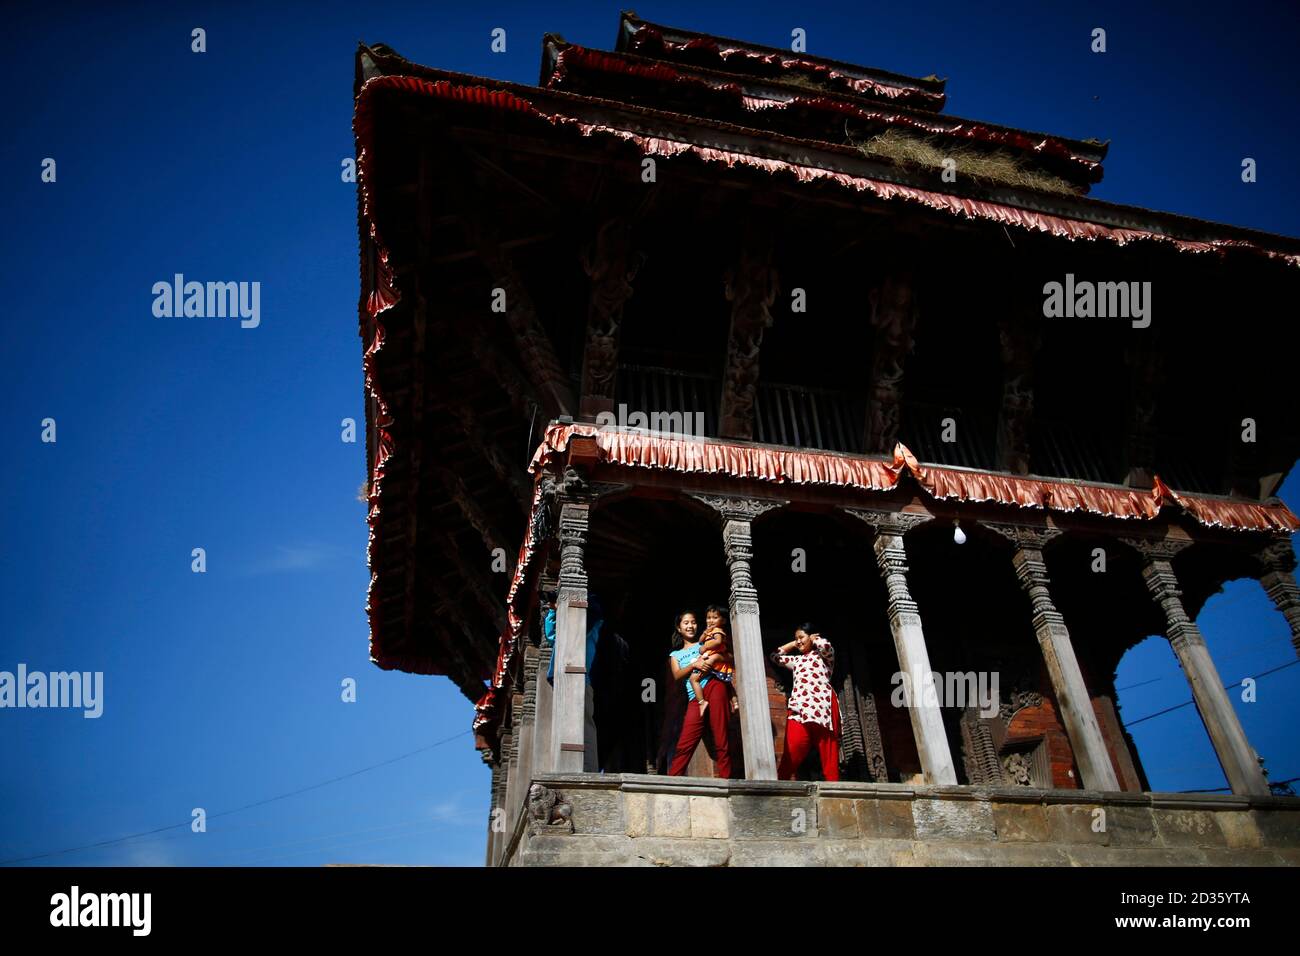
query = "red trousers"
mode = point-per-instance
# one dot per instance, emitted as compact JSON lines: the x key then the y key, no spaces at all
{"x":801,"y":738}
{"x":717,"y":714}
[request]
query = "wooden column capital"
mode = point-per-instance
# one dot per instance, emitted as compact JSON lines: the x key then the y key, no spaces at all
{"x":735,"y":508}
{"x":1031,"y":536}
{"x":897,"y":523}
{"x":1277,"y":555}
{"x":1157,"y":549}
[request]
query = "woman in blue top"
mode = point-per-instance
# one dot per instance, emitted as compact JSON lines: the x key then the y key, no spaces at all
{"x":684,"y":659}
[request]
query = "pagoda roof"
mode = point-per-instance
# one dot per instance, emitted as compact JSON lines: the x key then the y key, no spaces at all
{"x":822,"y":114}
{"x":732,"y":148}
{"x":688,"y":47}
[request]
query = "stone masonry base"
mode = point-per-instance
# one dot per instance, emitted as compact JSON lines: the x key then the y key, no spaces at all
{"x":645,"y":820}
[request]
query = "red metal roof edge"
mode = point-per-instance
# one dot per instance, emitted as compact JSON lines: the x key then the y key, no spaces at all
{"x":1060,"y":222}
{"x":630,"y":25}
{"x":1027,"y":141}
{"x":800,"y":466}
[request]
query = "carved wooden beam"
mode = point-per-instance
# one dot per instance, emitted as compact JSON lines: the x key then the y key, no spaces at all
{"x":611,"y":265}
{"x":536,"y":353}
{"x":893,"y":316}
{"x":511,"y":475}
{"x":417,"y":396}
{"x":492,"y":536}
{"x":751,"y":287}
{"x":493,"y":361}
{"x":1146,"y":366}
{"x":465,"y":672}
{"x":1019,"y":340}
{"x":1243,"y":467}
{"x":477,"y":653}
{"x":533,"y":344}
{"x":490,"y":597}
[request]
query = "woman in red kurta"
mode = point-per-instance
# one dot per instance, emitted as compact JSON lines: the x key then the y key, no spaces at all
{"x":814,"y":712}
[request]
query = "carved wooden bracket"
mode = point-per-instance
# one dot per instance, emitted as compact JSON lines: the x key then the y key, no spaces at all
{"x":889,"y":522}
{"x":739,"y":509}
{"x":1023,"y":536}
{"x":1157,"y":548}
{"x":1277,"y":555}
{"x":603,"y":489}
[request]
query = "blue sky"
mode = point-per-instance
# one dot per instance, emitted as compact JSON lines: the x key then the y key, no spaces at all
{"x":223,"y":688}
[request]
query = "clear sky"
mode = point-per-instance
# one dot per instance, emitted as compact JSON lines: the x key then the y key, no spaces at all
{"x":223,"y":688}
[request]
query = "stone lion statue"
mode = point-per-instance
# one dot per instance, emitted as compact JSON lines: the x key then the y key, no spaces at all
{"x":548,"y":808}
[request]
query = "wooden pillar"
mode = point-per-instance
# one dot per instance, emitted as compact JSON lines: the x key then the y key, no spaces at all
{"x":570,"y":688}
{"x":751,"y":287}
{"x":496,"y":833}
{"x":1278,"y":581}
{"x":1146,"y":366}
{"x":909,"y":642}
{"x":509,"y":784}
{"x":1072,"y":695}
{"x":525,"y":737}
{"x":738,"y":515}
{"x":1240,"y":764}
{"x":1019,"y":339}
{"x":893,"y":316}
{"x":611,"y":264}
{"x":542,"y":762}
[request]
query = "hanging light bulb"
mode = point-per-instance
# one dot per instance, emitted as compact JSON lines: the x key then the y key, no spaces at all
{"x":957,"y":534}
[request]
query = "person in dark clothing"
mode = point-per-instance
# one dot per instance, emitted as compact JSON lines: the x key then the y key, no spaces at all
{"x":615,"y":697}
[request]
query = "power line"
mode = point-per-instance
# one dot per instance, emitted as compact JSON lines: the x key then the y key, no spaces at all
{"x":424,"y":818}
{"x":1131,"y":723}
{"x":247,"y":806}
{"x":1229,"y":789}
{"x":1238,"y":652}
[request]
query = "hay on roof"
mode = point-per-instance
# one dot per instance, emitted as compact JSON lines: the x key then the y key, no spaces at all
{"x":998,"y":167}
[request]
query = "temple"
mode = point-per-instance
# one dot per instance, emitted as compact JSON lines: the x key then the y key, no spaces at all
{"x":699,"y":321}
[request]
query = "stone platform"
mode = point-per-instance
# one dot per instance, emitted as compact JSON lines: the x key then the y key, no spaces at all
{"x":646,"y":820}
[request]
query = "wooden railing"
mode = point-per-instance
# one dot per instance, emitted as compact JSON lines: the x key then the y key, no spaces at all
{"x":805,"y":417}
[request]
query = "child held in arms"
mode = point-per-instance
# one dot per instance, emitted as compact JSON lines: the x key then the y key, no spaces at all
{"x":714,"y":650}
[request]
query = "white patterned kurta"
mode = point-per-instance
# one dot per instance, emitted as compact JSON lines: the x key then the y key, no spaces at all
{"x":811,"y":699}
